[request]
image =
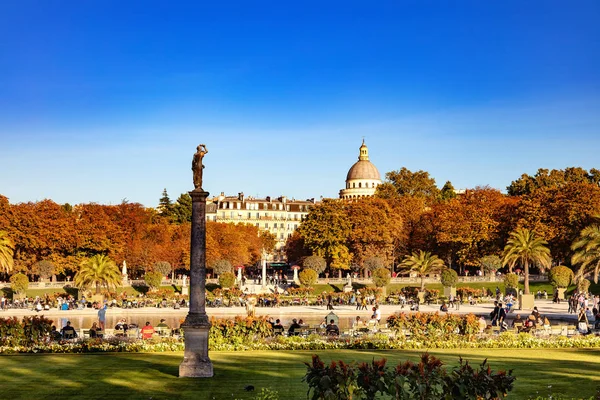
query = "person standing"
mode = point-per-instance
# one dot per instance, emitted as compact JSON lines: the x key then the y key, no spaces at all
{"x":102,"y":317}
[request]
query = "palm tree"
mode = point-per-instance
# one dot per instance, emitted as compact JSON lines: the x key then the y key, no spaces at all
{"x":525,"y":246}
{"x":423,"y":263}
{"x":98,"y":270}
{"x":587,"y":252}
{"x":6,"y":253}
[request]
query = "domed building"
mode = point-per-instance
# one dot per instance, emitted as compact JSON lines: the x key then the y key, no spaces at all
{"x":363,"y":177}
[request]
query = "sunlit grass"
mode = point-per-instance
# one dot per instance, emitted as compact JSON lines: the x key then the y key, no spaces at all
{"x":143,"y":376}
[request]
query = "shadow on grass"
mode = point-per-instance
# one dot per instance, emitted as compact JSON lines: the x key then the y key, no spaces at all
{"x":141,"y":376}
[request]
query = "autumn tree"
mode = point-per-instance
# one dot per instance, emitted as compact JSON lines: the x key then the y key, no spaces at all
{"x":525,"y":247}
{"x":468,"y":226}
{"x":325,"y":231}
{"x":376,"y":227}
{"x":559,"y":214}
{"x":44,"y":269}
{"x":162,"y":267}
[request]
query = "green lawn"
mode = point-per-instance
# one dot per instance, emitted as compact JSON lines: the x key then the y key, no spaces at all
{"x":571,"y":373}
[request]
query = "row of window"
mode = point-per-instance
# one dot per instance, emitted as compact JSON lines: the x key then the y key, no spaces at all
{"x":360,"y":185}
{"x":237,"y":205}
{"x":258,"y":215}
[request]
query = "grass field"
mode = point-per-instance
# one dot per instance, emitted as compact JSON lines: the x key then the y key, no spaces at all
{"x":570,"y":373}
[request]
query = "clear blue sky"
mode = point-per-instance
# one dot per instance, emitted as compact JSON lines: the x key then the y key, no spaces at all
{"x":107,"y":100}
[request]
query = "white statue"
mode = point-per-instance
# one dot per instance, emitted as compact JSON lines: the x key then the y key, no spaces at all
{"x":184,"y":279}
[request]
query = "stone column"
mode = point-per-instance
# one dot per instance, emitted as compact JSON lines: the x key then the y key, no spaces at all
{"x":196,"y":326}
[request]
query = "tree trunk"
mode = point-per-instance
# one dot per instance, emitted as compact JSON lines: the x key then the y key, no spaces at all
{"x":422,"y":283}
{"x":526,"y":267}
{"x":97,"y":288}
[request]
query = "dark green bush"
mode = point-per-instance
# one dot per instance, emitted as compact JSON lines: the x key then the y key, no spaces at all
{"x":449,"y":277}
{"x":511,"y":281}
{"x":426,"y":380}
{"x":153,"y":279}
{"x":227,"y":280}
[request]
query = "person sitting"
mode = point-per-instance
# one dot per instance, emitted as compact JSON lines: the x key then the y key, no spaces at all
{"x":54,"y":334}
{"x":332,"y":329}
{"x":482,"y":324}
{"x":517,"y":320}
{"x":294,"y":329}
{"x":94,"y":330}
{"x":538,"y":317}
{"x":147,"y":331}
{"x":358,"y":323}
{"x":444,"y":307}
{"x":372,"y":324}
{"x":278,"y":328}
{"x":162,"y":324}
{"x":68,"y":332}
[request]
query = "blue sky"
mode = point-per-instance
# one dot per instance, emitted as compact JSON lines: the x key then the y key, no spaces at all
{"x":105,"y":101}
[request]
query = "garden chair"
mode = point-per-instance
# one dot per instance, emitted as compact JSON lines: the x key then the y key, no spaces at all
{"x":571,"y":330}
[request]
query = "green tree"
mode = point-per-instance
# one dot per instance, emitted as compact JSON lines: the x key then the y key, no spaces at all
{"x":153,"y":279}
{"x":587,"y":252}
{"x":165,"y":205}
{"x":447,"y":191}
{"x":315,"y":263}
{"x":555,"y":178}
{"x":422,"y":263}
{"x":19,"y":283}
{"x":182,"y":209}
{"x":524,"y":246}
{"x":98,"y":271}
{"x":6,"y":252}
{"x":408,"y":183}
{"x":489,"y":264}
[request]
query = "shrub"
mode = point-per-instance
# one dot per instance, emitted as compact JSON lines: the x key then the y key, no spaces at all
{"x":308,"y":277}
{"x":227,"y":280}
{"x":583,"y":285}
{"x":381,"y":277}
{"x":560,"y":276}
{"x":316,"y":263}
{"x":163,"y":267}
{"x":222,"y":266}
{"x":153,"y":279}
{"x":449,"y":277}
{"x":374,"y":263}
{"x":19,"y":283}
{"x":426,"y":380}
{"x":511,"y":281}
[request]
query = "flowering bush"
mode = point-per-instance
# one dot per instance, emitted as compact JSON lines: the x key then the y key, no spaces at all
{"x":425,"y":380}
{"x":426,"y":325}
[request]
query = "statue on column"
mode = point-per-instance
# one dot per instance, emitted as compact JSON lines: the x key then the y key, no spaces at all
{"x":197,"y":166}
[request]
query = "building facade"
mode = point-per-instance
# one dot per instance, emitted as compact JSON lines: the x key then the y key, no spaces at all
{"x":363,"y":177}
{"x":280,"y":216}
